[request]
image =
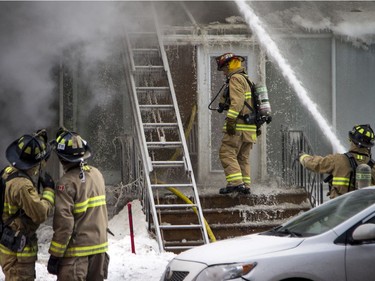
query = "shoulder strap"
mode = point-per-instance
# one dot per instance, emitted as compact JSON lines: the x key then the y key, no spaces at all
{"x":252,"y":88}
{"x":2,"y":193}
{"x":353,"y":165}
{"x":251,"y":84}
{"x":352,"y":161}
{"x":371,"y":163}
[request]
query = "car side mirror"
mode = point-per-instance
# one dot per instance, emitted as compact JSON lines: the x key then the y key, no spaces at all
{"x":364,"y":232}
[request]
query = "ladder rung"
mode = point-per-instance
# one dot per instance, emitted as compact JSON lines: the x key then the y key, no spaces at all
{"x":172,"y":185}
{"x":167,"y":163}
{"x":145,"y":50}
{"x":175,"y":206}
{"x":149,"y":66}
{"x":181,"y":226}
{"x":152,"y":125}
{"x":159,"y":106}
{"x":152,"y":88}
{"x":166,"y":144}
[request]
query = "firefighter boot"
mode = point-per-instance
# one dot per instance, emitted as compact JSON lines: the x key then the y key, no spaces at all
{"x":243,"y":189}
{"x":237,"y":188}
{"x":227,"y":189}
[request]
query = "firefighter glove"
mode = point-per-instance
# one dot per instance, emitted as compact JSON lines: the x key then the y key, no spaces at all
{"x":53,"y":265}
{"x":302,"y":155}
{"x":46,"y":181}
{"x":231,"y":126}
{"x":268,"y":119}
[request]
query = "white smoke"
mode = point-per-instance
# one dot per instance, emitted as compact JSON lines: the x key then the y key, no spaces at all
{"x":358,"y":33}
{"x":33,"y":38}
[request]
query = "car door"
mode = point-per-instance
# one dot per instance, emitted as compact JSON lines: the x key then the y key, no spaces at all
{"x":360,"y":264}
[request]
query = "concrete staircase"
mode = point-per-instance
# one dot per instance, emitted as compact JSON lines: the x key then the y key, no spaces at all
{"x":234,"y":214}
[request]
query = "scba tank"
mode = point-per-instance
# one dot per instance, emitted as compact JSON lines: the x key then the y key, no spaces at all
{"x":263,"y":103}
{"x":363,"y":176}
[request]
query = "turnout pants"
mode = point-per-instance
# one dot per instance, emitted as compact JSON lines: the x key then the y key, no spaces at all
{"x":89,"y":268}
{"x":234,"y":156}
{"x":16,"y":270}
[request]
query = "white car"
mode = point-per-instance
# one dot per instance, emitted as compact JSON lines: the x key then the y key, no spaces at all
{"x":332,"y":242}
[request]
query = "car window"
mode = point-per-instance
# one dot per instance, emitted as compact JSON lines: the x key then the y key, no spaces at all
{"x":330,"y":214}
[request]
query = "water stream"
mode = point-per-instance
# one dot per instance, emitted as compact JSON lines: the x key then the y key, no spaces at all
{"x":273,"y":51}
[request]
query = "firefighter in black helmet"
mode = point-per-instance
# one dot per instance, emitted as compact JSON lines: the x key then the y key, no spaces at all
{"x":341,"y":167}
{"x":23,"y":209}
{"x":79,"y":243}
{"x":239,"y":136}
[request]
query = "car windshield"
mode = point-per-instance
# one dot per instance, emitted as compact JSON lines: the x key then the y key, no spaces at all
{"x":326,"y":216}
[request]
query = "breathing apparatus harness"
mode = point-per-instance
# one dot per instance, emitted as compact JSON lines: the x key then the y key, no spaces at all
{"x":225,"y":105}
{"x":13,"y":240}
{"x":259,"y":114}
{"x":353,"y":165}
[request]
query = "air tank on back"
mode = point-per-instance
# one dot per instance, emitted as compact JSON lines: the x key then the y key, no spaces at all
{"x":363,"y":176}
{"x":264,"y":105}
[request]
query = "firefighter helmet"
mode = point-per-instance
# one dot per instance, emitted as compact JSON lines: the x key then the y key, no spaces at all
{"x":70,"y":146}
{"x":225,"y":58}
{"x":362,"y":135}
{"x":29,"y":150}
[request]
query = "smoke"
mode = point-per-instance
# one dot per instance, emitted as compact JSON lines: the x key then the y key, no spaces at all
{"x":33,"y":38}
{"x":360,"y":34}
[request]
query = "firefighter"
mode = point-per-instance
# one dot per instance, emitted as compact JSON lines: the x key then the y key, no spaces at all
{"x":341,"y":167}
{"x":78,"y":250}
{"x":23,"y":209}
{"x":239,"y":136}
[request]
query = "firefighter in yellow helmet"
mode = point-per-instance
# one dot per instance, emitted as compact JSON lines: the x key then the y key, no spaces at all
{"x":239,"y":136}
{"x":341,"y":167}
{"x":23,"y":209}
{"x":79,"y":243}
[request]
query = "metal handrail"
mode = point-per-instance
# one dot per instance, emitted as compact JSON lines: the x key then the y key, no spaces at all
{"x":293,"y":143}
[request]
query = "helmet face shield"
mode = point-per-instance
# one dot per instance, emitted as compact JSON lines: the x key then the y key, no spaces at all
{"x":69,"y":146}
{"x":28,"y":151}
{"x":222,"y":60}
{"x":362,"y":135}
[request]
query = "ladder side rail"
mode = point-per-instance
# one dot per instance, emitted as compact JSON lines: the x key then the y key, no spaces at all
{"x":178,"y":116}
{"x":142,"y":144}
{"x":171,"y":87}
{"x":131,"y":54}
{"x":136,"y":110}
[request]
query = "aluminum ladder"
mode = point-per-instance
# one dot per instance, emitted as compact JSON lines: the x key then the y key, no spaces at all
{"x":161,"y":136}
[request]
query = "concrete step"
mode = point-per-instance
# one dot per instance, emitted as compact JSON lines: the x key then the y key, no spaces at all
{"x":231,"y":215}
{"x":211,"y":201}
{"x":234,"y":214}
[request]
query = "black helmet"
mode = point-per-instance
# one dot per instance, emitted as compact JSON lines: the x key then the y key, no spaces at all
{"x":70,"y":147}
{"x":225,"y":58}
{"x":362,"y":135}
{"x":29,"y":150}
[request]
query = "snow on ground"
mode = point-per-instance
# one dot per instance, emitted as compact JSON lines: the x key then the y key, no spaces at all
{"x":147,"y":264}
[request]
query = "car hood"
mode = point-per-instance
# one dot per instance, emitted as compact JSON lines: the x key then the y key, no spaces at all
{"x":239,"y":249}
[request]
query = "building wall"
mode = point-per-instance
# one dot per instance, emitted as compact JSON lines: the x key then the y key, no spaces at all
{"x":95,"y":104}
{"x":104,"y":116}
{"x":355,"y":84}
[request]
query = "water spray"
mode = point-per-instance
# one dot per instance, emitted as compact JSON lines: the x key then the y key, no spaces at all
{"x":273,"y":51}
